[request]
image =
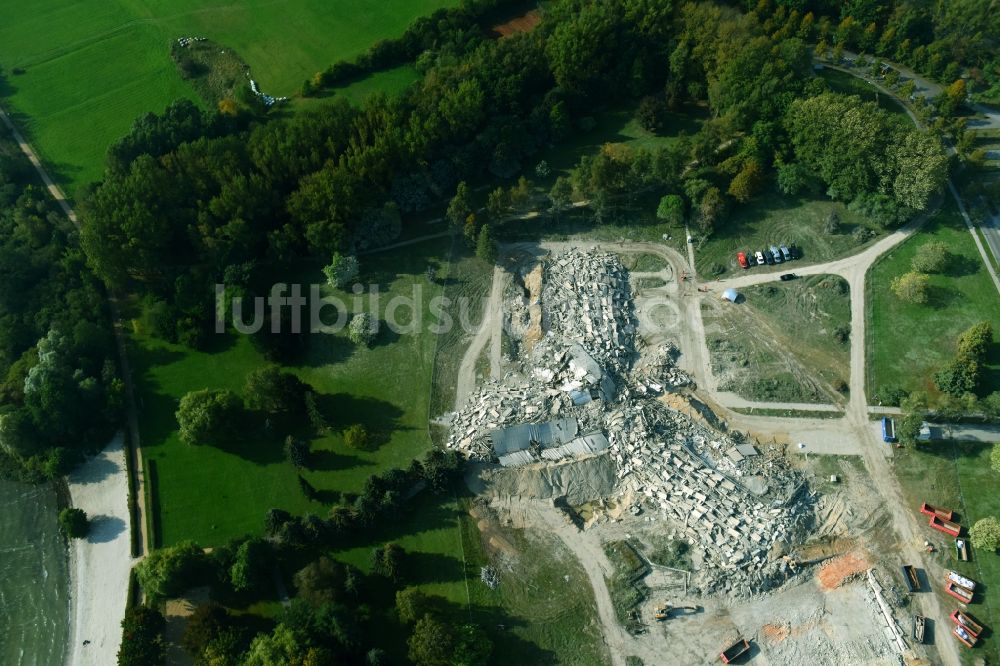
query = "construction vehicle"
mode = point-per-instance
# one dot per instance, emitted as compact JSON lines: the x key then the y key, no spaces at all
{"x":663,"y":612}
{"x":944,"y":514}
{"x":962,"y":550}
{"x":967,"y":622}
{"x":910,"y":578}
{"x":919,"y":623}
{"x":947,"y":526}
{"x":963,"y":635}
{"x":735,"y":651}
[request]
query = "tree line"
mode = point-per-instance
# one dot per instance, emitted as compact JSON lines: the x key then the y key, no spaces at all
{"x":948,"y":41}
{"x":60,"y":394}
{"x":337,"y":613}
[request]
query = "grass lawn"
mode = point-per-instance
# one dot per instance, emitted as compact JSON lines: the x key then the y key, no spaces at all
{"x":618,"y":126}
{"x":543,"y":611}
{"x":794,"y":355}
{"x":390,"y":81}
{"x":210,"y":494}
{"x":773,"y":218}
{"x":97,"y":65}
{"x":957,"y":475}
{"x":908,"y":343}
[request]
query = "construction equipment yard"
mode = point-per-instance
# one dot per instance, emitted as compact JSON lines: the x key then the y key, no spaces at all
{"x":697,"y":526}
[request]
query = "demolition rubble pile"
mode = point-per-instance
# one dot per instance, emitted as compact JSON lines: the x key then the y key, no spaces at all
{"x":659,"y":372}
{"x":577,"y":394}
{"x":586,"y":298}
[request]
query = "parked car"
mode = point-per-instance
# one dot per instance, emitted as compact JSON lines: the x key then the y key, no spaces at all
{"x":793,"y":249}
{"x":751,"y":260}
{"x":742,"y":258}
{"x":786,"y":253}
{"x":760,"y":258}
{"x":768,"y":257}
{"x":776,"y":253}
{"x":785,"y":277}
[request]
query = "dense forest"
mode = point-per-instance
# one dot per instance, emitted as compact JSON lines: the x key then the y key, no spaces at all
{"x":943,"y":40}
{"x":191,"y":198}
{"x":60,"y":395}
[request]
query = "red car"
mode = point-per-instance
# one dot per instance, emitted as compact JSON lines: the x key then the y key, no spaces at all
{"x":742,"y":258}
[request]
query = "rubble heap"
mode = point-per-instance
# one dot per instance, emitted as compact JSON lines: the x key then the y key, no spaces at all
{"x":657,"y":454}
{"x":659,"y":372}
{"x":575,"y":395}
{"x":586,"y":298}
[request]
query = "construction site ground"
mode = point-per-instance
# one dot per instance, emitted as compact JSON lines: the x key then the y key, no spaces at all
{"x":862,"y":521}
{"x":780,"y":344}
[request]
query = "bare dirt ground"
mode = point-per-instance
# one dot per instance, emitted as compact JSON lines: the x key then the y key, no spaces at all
{"x":864,"y":523}
{"x":489,"y":333}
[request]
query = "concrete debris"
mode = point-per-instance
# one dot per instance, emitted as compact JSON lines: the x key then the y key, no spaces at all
{"x":739,"y":505}
{"x":490,"y":576}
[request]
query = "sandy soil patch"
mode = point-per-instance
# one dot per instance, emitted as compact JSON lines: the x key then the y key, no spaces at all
{"x":524,"y":23}
{"x":835,"y":572}
{"x":100,"y":562}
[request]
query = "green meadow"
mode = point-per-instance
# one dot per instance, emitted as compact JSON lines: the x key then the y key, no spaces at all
{"x":91,"y":67}
{"x":212,"y":494}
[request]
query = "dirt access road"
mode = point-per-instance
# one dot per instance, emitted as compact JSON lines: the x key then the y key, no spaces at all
{"x":490,"y":331}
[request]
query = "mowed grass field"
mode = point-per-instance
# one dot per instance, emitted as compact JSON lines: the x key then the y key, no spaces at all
{"x":92,"y":66}
{"x":212,"y":494}
{"x":907,"y":343}
{"x":957,"y":475}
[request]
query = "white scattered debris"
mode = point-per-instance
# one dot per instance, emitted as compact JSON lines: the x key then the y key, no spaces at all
{"x":578,"y":395}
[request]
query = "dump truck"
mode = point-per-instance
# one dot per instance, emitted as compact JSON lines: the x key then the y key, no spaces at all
{"x":944,"y":514}
{"x":735,"y":651}
{"x":947,"y":526}
{"x":910,"y":578}
{"x":967,"y":622}
{"x":919,"y":623}
{"x":962,"y":550}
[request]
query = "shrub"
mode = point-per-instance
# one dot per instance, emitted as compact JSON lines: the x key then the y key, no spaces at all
{"x":356,"y":437}
{"x":985,"y":534}
{"x":341,"y":270}
{"x":932,"y":257}
{"x":297,"y":452}
{"x":995,"y":458}
{"x":209,"y":416}
{"x":362,"y":329}
{"x":911,"y":287}
{"x":142,"y":638}
{"x":167,"y":572}
{"x":74,"y":522}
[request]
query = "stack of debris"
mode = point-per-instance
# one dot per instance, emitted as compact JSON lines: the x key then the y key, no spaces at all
{"x":572,"y":399}
{"x":586,"y":297}
{"x":659,"y":372}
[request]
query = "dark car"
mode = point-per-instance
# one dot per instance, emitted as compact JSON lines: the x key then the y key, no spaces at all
{"x":768,"y":257}
{"x":785,"y":277}
{"x":793,"y":250}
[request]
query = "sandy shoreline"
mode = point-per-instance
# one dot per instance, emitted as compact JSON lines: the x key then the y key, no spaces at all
{"x":100,"y":563}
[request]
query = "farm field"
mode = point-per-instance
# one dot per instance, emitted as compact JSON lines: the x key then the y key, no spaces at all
{"x":209,"y":494}
{"x":957,"y":475}
{"x":795,"y":355}
{"x":774,"y":218}
{"x":908,"y":343}
{"x":99,"y":65}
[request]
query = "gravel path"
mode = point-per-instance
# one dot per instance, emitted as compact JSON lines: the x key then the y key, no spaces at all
{"x":100,"y":562}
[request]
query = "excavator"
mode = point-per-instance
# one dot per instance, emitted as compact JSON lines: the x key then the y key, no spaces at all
{"x":663,"y":612}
